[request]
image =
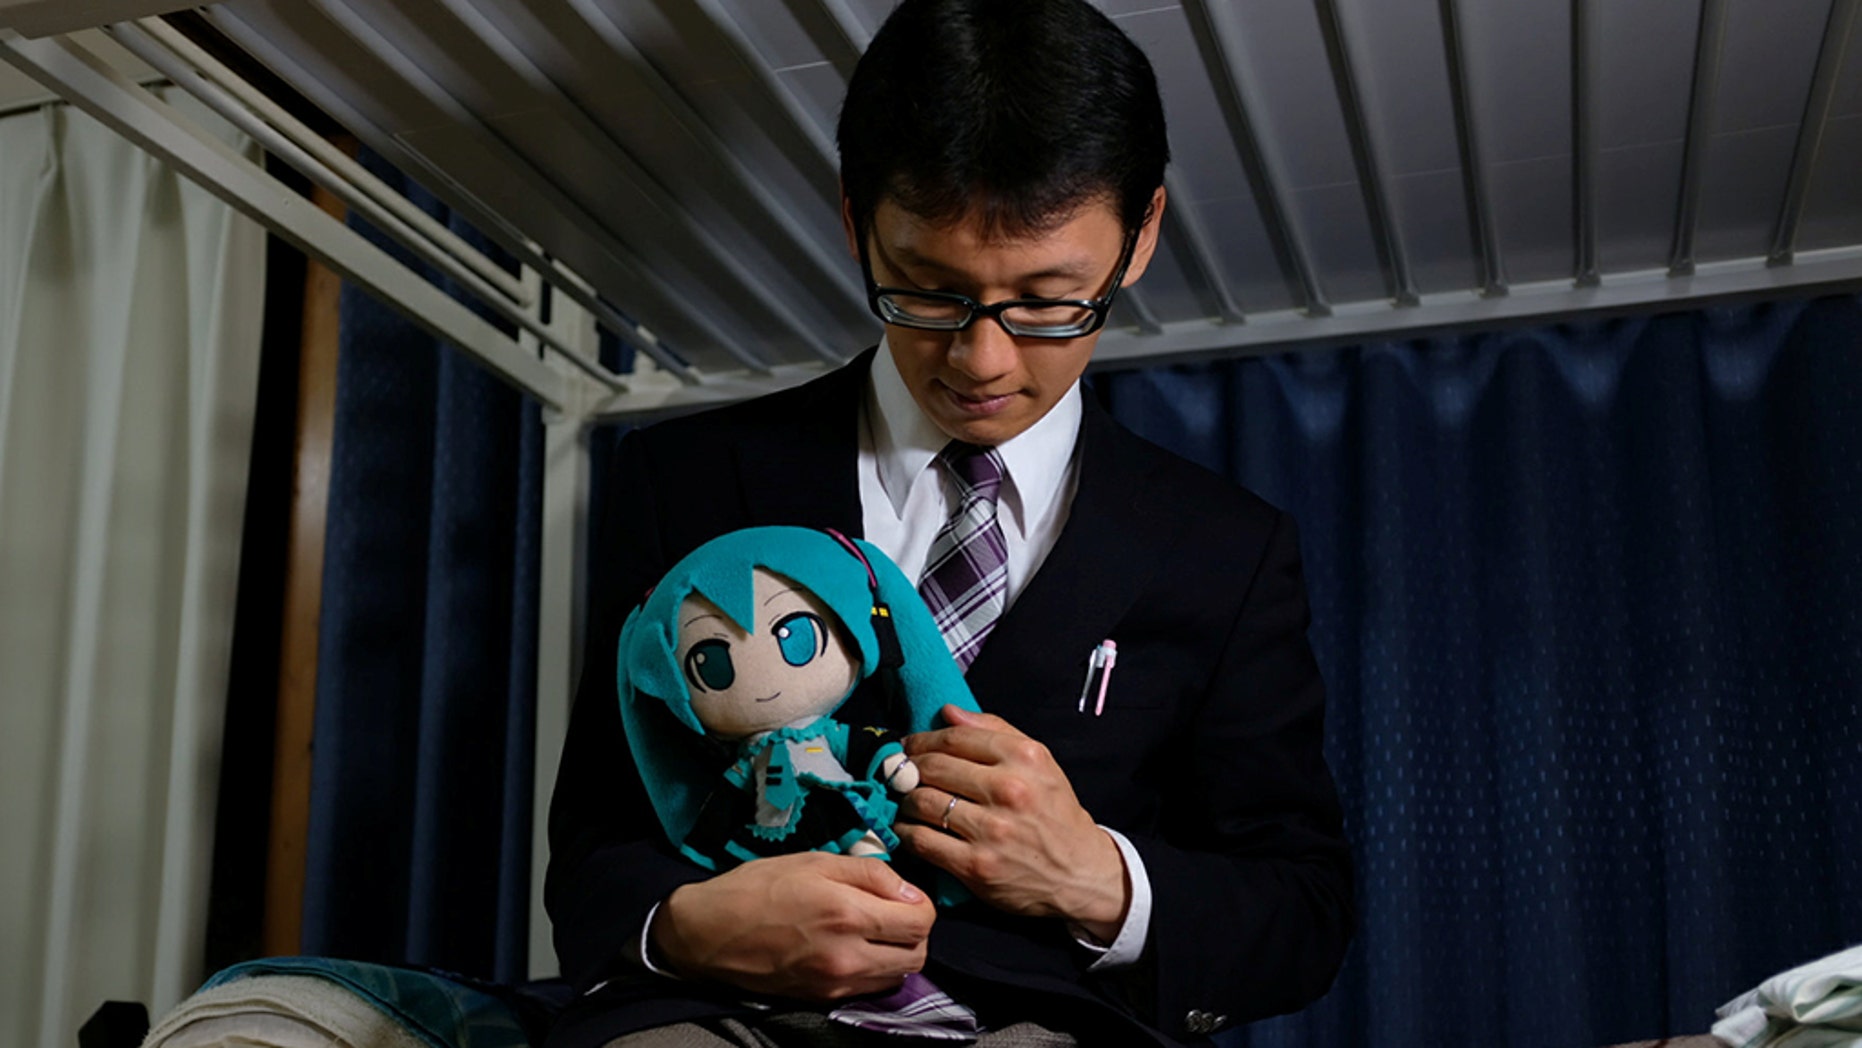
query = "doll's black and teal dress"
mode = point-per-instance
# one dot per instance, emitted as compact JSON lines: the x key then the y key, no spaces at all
{"x":817,"y":787}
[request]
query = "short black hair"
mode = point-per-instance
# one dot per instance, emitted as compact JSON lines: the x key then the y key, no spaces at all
{"x":1023,"y":109}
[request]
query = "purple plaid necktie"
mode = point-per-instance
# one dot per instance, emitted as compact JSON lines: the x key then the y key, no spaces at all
{"x":966,"y":579}
{"x":917,"y":1009}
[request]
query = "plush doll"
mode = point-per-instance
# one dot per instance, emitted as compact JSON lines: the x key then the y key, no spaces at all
{"x":731,"y":670}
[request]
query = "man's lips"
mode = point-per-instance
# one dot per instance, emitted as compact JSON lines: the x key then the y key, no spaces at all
{"x":977,"y":403}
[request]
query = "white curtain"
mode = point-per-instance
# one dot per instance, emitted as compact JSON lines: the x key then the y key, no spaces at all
{"x":130,"y":312}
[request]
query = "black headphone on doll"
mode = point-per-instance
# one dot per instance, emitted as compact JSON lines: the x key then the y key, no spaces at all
{"x":891,"y":655}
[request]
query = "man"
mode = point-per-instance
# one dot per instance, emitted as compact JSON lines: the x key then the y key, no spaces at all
{"x":1154,"y":850}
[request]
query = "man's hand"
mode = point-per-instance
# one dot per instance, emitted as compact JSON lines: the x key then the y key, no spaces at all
{"x":812,"y":925}
{"x":1017,"y":836}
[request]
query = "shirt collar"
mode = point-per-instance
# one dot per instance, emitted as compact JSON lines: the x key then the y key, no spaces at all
{"x":905,"y":441}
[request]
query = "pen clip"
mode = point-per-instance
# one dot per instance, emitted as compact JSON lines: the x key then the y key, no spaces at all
{"x":1098,"y":674}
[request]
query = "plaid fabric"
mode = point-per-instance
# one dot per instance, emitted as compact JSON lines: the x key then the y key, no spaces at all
{"x":916,"y":1009}
{"x":966,"y":579}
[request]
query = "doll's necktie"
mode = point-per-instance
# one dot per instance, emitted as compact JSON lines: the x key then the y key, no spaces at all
{"x":966,"y":579}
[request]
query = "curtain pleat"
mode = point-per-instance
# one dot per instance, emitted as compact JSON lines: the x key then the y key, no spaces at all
{"x":426,"y":682}
{"x":1588,"y":600}
{"x":129,"y":331}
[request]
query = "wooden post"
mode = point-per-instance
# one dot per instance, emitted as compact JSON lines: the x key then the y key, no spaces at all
{"x":303,"y":604}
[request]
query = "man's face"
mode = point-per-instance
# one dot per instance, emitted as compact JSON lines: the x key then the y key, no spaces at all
{"x":983,"y":385}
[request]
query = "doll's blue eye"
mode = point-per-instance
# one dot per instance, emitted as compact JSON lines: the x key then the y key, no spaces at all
{"x":801,"y":638}
{"x":708,"y":665}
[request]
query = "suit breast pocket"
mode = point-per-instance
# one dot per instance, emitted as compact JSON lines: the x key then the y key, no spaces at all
{"x":1130,"y":676}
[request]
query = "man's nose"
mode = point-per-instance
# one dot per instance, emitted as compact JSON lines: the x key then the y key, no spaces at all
{"x":984,"y":350}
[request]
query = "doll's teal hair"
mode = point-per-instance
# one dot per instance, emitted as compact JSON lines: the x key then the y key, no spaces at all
{"x":647,"y":664}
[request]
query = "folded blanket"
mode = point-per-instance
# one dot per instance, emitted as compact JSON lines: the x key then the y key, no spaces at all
{"x":1818,"y":1005}
{"x":314,"y":1002}
{"x":279,"y":1011}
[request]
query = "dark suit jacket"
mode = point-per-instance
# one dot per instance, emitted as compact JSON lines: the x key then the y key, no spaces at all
{"x":1207,"y":755}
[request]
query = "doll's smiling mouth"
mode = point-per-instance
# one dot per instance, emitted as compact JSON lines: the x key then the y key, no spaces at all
{"x":771,"y":698}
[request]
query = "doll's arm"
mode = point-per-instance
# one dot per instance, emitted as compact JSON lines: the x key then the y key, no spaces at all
{"x":898,"y":772}
{"x":883,"y":760}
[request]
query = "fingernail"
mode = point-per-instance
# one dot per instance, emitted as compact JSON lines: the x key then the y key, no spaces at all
{"x":910,"y":893}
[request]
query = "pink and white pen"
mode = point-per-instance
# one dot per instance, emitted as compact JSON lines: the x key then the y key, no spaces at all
{"x":1098,"y":672}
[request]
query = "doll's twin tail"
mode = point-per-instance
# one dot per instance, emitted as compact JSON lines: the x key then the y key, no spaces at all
{"x":916,"y":673}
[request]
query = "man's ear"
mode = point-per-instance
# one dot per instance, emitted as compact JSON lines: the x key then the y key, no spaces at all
{"x":846,"y":224}
{"x":1146,"y":246}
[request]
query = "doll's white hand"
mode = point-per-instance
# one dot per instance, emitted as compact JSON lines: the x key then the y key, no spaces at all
{"x":899,"y":773}
{"x":1017,"y":835}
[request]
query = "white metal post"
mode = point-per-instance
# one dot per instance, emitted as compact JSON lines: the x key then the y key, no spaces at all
{"x":560,"y":601}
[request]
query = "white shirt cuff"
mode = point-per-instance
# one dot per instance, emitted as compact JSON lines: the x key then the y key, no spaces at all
{"x":643,"y":951}
{"x":1128,"y":946}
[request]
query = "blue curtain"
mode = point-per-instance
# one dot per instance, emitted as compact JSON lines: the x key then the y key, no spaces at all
{"x":1588,"y":600}
{"x":419,"y":849}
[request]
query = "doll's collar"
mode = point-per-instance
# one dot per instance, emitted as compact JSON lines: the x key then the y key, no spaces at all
{"x":799,"y":731}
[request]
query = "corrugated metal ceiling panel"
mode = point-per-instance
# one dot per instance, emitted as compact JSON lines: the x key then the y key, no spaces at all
{"x":1342,"y":166}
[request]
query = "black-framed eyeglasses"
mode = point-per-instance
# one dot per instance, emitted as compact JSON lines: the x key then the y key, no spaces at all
{"x":1027,"y":317}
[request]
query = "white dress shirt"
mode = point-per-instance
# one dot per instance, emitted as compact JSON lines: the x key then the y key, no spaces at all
{"x":905,"y":500}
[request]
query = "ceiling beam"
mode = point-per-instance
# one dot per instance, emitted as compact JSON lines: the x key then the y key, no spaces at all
{"x":376,"y":196}
{"x":800,"y":119}
{"x":1223,"y":57}
{"x":849,"y":31}
{"x":1702,"y":101}
{"x":1584,"y":144}
{"x":685,"y":225}
{"x":1187,"y":227}
{"x":1138,"y":306}
{"x":1830,"y":271}
{"x":1489,"y":265}
{"x":1373,"y":179}
{"x":155,"y":43}
{"x":1810,"y":129}
{"x":830,"y":263}
{"x":650,"y":273}
{"x":645,"y":402}
{"x":37,"y":18}
{"x":253,"y":40}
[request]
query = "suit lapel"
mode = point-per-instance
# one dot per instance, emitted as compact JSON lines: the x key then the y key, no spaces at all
{"x":1113,"y":541}
{"x":800,"y":466}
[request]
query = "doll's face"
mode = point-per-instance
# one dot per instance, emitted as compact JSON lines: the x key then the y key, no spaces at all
{"x":791,"y":666}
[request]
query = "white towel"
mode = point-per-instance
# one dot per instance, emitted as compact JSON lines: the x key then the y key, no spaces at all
{"x":1818,"y":1005}
{"x":278,"y":1011}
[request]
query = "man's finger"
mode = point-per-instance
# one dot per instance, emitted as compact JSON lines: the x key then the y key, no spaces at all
{"x":936,"y":847}
{"x":947,"y":777}
{"x":962,"y":729}
{"x":891,"y":909}
{"x":970,"y":741}
{"x":894,"y":928}
{"x":875,"y":878}
{"x":928,"y":804}
{"x":957,"y":715}
{"x":883,"y":968}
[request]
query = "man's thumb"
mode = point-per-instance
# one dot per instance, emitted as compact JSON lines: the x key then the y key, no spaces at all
{"x":878,"y":878}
